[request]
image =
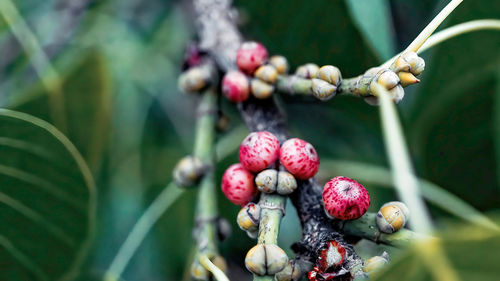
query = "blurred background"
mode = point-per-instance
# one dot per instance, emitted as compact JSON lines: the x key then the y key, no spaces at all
{"x":117,"y":62}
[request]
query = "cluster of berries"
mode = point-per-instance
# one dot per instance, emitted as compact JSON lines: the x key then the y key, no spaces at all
{"x":256,"y":74}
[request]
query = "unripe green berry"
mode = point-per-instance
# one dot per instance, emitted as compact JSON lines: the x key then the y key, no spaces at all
{"x":249,"y":217}
{"x":267,"y":180}
{"x":292,"y":272}
{"x":307,"y":71}
{"x":392,"y":216}
{"x":266,"y":259}
{"x":330,"y":74}
{"x":261,"y":89}
{"x":188,"y":171}
{"x":280,"y":63}
{"x":286,"y":183}
{"x":267,"y":73}
{"x":323,"y":90}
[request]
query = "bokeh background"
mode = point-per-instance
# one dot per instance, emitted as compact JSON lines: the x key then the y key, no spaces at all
{"x":118,"y":61}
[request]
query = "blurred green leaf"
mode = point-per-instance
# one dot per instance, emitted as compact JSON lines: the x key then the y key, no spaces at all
{"x":48,"y":201}
{"x":87,"y":97}
{"x":449,"y":119}
{"x":373,"y":19}
{"x":433,"y":193}
{"x":472,"y":251}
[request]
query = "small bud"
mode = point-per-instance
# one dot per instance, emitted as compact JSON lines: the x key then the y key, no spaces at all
{"x":249,"y":217}
{"x":376,"y":263}
{"x":407,"y":78}
{"x":330,"y":74}
{"x":267,"y":180}
{"x":188,"y":171}
{"x":280,"y":63}
{"x":235,"y":86}
{"x":266,"y":259}
{"x":397,"y":93}
{"x":292,"y":272}
{"x":307,"y":71}
{"x":323,"y":90}
{"x":220,"y":262}
{"x":388,"y":79}
{"x":198,"y":272}
{"x":267,"y":73}
{"x":250,"y":55}
{"x":392,"y":217}
{"x":192,"y":80}
{"x":286,"y":183}
{"x":400,"y":64}
{"x":261,"y":89}
{"x":417,"y":64}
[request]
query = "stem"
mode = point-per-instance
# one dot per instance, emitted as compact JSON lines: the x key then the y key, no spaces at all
{"x":210,"y":266}
{"x":206,"y":205}
{"x":366,"y":227}
{"x":41,"y":62}
{"x":141,"y":228}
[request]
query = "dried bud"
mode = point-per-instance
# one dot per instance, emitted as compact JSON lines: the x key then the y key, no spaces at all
{"x":392,"y":216}
{"x":267,"y":180}
{"x":266,"y":259}
{"x":286,"y":183}
{"x":261,"y":89}
{"x":280,"y":63}
{"x":307,"y":71}
{"x":407,"y":78}
{"x":376,"y":263}
{"x":188,"y":171}
{"x":323,"y":90}
{"x":249,"y":217}
{"x":330,"y":74}
{"x":267,"y":73}
{"x":332,"y":256}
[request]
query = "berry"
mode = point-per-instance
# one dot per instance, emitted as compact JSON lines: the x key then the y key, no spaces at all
{"x":235,"y":86}
{"x":258,"y":150}
{"x":266,"y":259}
{"x":250,"y":55}
{"x":299,"y":158}
{"x":238,"y":185}
{"x":345,"y":198}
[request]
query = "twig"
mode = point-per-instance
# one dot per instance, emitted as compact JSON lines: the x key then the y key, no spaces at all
{"x":210,"y":266}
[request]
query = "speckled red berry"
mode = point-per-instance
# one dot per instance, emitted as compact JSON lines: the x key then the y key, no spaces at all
{"x":258,"y":150}
{"x":299,"y":158}
{"x":345,"y":198}
{"x":238,"y":184}
{"x":235,"y":86}
{"x":250,"y":55}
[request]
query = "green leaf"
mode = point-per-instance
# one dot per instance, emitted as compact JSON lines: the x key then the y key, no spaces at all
{"x":433,"y":193}
{"x":47,"y":201}
{"x":86,"y":97}
{"x":374,"y":21}
{"x":473,"y":253}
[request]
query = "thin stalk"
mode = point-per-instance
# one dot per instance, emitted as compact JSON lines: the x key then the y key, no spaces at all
{"x":407,"y":186}
{"x":272,"y":210}
{"x":210,"y":266}
{"x":51,"y":80}
{"x":141,"y":228}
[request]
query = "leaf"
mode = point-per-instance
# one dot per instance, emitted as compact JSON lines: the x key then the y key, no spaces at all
{"x":433,"y":193}
{"x":87,"y":98}
{"x":373,"y":19}
{"x":47,"y":201}
{"x":472,"y":251}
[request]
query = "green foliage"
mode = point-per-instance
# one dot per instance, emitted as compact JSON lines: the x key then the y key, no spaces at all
{"x":47,"y":200}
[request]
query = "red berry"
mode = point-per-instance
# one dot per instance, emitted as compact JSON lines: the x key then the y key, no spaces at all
{"x":235,"y":86}
{"x":250,"y":55}
{"x":299,"y":158}
{"x":258,"y":150}
{"x":238,"y":184}
{"x":345,"y":198}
